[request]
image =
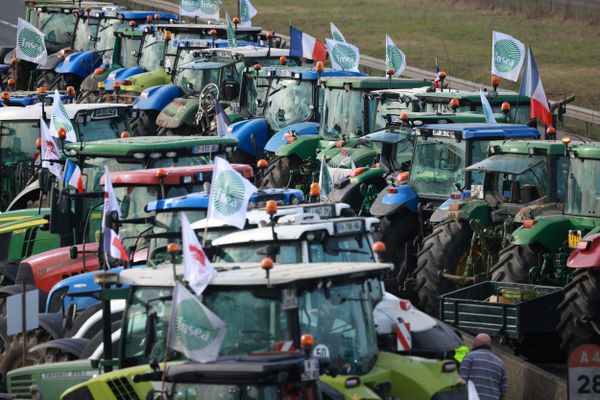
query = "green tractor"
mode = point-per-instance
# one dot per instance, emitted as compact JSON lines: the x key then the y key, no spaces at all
{"x":345,"y":116}
{"x":538,"y":250}
{"x":522,"y":179}
{"x":71,"y":216}
{"x":332,"y":301}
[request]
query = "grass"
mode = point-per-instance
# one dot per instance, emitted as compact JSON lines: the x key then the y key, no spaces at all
{"x":457,"y":32}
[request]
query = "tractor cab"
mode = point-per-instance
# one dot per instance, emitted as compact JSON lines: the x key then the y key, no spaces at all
{"x":20,"y":131}
{"x":508,"y":107}
{"x":213,"y":74}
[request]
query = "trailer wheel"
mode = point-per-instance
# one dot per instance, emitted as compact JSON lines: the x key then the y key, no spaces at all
{"x":277,"y":173}
{"x":144,"y":124}
{"x":12,"y":357}
{"x":445,"y":249}
{"x":514,"y":262}
{"x":578,"y":312}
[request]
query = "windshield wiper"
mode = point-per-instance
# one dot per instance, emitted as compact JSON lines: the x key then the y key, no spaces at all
{"x":276,"y":90}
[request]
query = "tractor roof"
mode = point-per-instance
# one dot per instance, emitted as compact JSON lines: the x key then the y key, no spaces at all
{"x":587,"y":150}
{"x":468,"y":98}
{"x":34,"y":112}
{"x":49,"y":5}
{"x":174,"y":175}
{"x":549,"y":147}
{"x":252,"y":274}
{"x":482,"y":130}
{"x":199,"y":200}
{"x":372,"y":83}
{"x":422,"y":118}
{"x":397,"y":93}
{"x":195,"y":27}
{"x":124,"y":147}
{"x":247,"y":51}
{"x":293,"y":227}
{"x":257,"y":216}
{"x":301,"y":73}
{"x":132,"y":14}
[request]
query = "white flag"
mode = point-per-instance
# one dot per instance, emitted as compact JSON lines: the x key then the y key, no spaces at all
{"x":206,"y":9}
{"x":60,"y":119}
{"x":50,"y":154}
{"x":229,"y":195}
{"x":247,"y":12}
{"x":194,"y":330}
{"x":231,"y":39}
{"x":508,"y":55}
{"x":113,"y":246}
{"x":30,"y":43}
{"x":325,"y":181}
{"x":336,"y":33}
{"x":472,"y":391}
{"x":343,"y":56}
{"x":487,"y":108}
{"x":394,"y":57}
{"x":197,"y":268}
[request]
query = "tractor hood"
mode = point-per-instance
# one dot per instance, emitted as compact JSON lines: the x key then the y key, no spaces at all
{"x":157,"y":97}
{"x":119,"y":74}
{"x":81,"y":64}
{"x":279,"y":139}
{"x":145,"y":80}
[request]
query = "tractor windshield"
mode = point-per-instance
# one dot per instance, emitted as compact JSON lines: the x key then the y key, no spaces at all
{"x":255,"y":88}
{"x":85,"y":34}
{"x":289,"y":252}
{"x":152,"y":52}
{"x":438,"y":164}
{"x":341,"y":249}
{"x":130,"y":48}
{"x":583,"y":187}
{"x":193,"y":80}
{"x":342,"y":114}
{"x":106,"y":35}
{"x":100,"y":129}
{"x":133,"y":200}
{"x":289,"y":101}
{"x":17,"y":141}
{"x":340,"y":319}
{"x":381,"y":108}
{"x":57,"y":27}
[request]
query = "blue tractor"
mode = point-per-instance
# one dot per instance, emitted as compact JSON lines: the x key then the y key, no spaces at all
{"x":441,"y":153}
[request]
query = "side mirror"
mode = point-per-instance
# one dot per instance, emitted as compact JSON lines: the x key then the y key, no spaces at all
{"x":73,"y":252}
{"x":125,"y":203}
{"x":231,"y":92}
{"x":69,"y":316}
{"x":45,"y":180}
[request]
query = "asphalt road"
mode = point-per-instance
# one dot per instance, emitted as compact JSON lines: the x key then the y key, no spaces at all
{"x":11,"y":10}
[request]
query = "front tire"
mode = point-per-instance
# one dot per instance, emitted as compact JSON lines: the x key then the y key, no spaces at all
{"x":445,"y":249}
{"x":144,"y":124}
{"x":579,"y":312}
{"x":278,"y":172}
{"x":12,"y":357}
{"x":514,"y":263}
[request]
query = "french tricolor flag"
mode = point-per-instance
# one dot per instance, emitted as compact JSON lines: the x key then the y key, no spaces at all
{"x":116,"y":249}
{"x":72,"y":176}
{"x":303,"y":45}
{"x":531,"y":85}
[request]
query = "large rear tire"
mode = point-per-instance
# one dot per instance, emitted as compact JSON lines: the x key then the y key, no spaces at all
{"x":445,"y":249}
{"x":514,"y":263}
{"x":277,"y":173}
{"x":144,"y":124}
{"x":45,"y":78}
{"x":579,"y":312}
{"x":12,"y":357}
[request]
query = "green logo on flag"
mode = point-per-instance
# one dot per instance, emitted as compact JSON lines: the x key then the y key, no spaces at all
{"x":393,"y":58}
{"x":193,"y":328}
{"x":208,"y":7}
{"x":30,"y":43}
{"x":229,"y":193}
{"x":344,"y":56}
{"x":337,"y":36}
{"x":58,"y":123}
{"x":506,"y":55}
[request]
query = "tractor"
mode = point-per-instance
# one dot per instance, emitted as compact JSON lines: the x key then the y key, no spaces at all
{"x":521,"y":180}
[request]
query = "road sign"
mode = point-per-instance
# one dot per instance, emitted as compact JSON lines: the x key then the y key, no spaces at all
{"x":14,"y":311}
{"x":584,"y":373}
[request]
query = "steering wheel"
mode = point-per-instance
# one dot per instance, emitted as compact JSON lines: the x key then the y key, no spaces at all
{"x":209,"y":97}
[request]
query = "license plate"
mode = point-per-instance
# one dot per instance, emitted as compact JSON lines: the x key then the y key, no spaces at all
{"x":348,"y":227}
{"x":574,"y":238}
{"x":201,"y":149}
{"x":311,"y":370}
{"x":324,"y":211}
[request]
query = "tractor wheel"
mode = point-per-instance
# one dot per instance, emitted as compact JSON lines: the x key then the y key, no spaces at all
{"x":446,"y":249}
{"x":579,"y":312}
{"x":12,"y":357}
{"x":88,"y":96}
{"x":514,"y":262}
{"x":45,"y":79}
{"x":144,"y":124}
{"x":277,"y":174}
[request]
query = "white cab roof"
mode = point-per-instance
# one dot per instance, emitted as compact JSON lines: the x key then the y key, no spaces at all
{"x":34,"y":112}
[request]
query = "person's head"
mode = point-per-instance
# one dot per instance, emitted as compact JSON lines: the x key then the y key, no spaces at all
{"x":482,"y":340}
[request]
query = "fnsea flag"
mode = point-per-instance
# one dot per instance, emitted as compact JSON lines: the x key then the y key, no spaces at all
{"x":304,"y":45}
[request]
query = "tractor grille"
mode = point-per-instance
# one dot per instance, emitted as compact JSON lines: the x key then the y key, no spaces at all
{"x":20,"y":386}
{"x":122,"y":389}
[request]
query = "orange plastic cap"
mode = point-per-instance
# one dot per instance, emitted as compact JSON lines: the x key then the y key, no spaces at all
{"x":62,"y":133}
{"x":454,"y":103}
{"x":149,"y":18}
{"x":235,"y":20}
{"x":266,"y":263}
{"x":378,"y":247}
{"x":271,"y":207}
{"x":442,"y":74}
{"x":70,"y":91}
{"x":99,"y":71}
{"x":307,"y":341}
{"x":319,"y":67}
{"x":257,"y":67}
{"x":315,"y":189}
{"x":42,"y":90}
{"x":162,"y":173}
{"x":11,"y":82}
{"x":167,"y":35}
{"x":390,"y":71}
{"x":283,"y":60}
{"x":5,"y":96}
{"x":269,"y":35}
{"x":495,"y":81}
{"x":125,"y":135}
{"x":117,"y":85}
{"x":551,"y":131}
{"x":212,"y":32}
{"x":505,"y":107}
{"x":38,"y":143}
{"x":262,"y":163}
{"x":404,"y":117}
{"x":402,"y":177}
{"x":172,"y":248}
{"x":133,"y":24}
{"x":156,"y":16}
